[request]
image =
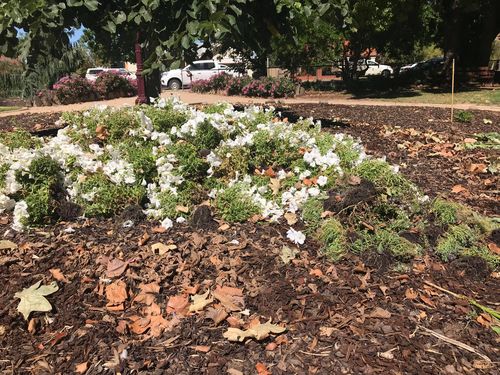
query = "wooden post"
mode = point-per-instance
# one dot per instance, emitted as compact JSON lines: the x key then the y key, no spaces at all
{"x":452,"y":87}
{"x":141,"y":86}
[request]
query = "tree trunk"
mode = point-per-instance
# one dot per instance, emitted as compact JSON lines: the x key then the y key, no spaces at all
{"x":451,"y":34}
{"x":153,"y":84}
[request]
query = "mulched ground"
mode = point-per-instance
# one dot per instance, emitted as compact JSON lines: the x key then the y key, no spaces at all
{"x":351,"y":317}
{"x":366,"y":315}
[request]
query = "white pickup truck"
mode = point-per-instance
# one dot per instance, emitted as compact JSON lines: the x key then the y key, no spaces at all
{"x":197,"y":70}
{"x":373,"y":68}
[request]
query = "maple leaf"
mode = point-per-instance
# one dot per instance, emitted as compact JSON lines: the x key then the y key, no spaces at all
{"x":33,"y":298}
{"x":216,"y":314}
{"x":258,"y":332}
{"x":200,"y":301}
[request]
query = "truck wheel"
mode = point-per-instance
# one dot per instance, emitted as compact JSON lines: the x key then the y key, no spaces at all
{"x":174,"y":84}
{"x":386,"y":74}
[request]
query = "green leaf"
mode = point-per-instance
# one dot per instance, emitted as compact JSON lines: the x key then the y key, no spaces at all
{"x":120,"y":18}
{"x":32,"y":298}
{"x":185,"y":42}
{"x":110,"y":27}
{"x":91,"y":5}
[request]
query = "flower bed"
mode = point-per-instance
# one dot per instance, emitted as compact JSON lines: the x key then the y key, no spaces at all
{"x":265,"y":87}
{"x":170,"y":159}
{"x":75,"y":89}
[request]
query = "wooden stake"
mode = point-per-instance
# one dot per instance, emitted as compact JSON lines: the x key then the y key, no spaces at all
{"x":452,"y":87}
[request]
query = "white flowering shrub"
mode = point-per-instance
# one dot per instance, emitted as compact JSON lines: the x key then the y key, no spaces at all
{"x":170,"y":157}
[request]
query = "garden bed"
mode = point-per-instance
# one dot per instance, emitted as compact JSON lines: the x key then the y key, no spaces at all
{"x":253,"y":218}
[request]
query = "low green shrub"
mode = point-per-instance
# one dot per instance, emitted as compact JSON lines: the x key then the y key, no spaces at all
{"x":332,"y":235}
{"x":234,"y":205}
{"x":463,"y":116}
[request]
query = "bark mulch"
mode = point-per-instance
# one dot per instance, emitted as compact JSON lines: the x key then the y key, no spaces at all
{"x":121,"y":306}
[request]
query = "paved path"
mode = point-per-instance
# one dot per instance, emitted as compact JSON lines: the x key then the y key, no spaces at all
{"x":194,"y":98}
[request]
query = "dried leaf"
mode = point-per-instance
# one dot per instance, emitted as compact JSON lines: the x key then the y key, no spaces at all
{"x":201,"y":348}
{"x":231,"y":298}
{"x":178,"y":305}
{"x":457,"y":189}
{"x":148,"y":293}
{"x":183,"y":209}
{"x":275,"y":185}
{"x":411,"y":294}
{"x":139,"y":325}
{"x":216,"y":314}
{"x":33,"y":298}
{"x":291,"y":218}
{"x":262,"y":369}
{"x":200,"y":301}
{"x":81,"y":368}
{"x":287,"y":254}
{"x":258,"y":332}
{"x":161,"y":249}
{"x":380,"y":313}
{"x":388,"y":354}
{"x":494,"y":248}
{"x":427,"y":300}
{"x":116,"y":267}
{"x":116,"y":293}
{"x":7,"y":245}
{"x":58,"y":275}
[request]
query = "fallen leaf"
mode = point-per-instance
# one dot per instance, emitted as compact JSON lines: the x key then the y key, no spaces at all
{"x":262,"y":369}
{"x":201,"y":348}
{"x":275,"y":185}
{"x":478,"y":168}
{"x":411,"y":294}
{"x":224,"y":227}
{"x":216,"y":314}
{"x":287,"y":254}
{"x":470,"y":140}
{"x":161,"y":249}
{"x":327,"y":331}
{"x":183,"y":209}
{"x":7,"y":245}
{"x":316,"y":272}
{"x":139,"y":324}
{"x":494,"y":248}
{"x":231,"y":298}
{"x":388,"y":354}
{"x":457,"y":189}
{"x":116,"y":267}
{"x":81,"y":368}
{"x":379,"y":312}
{"x":291,"y":218}
{"x":270,"y":172}
{"x":2,"y":330}
{"x":200,"y":301}
{"x":487,"y":121}
{"x":144,"y":239}
{"x":354,"y":180}
{"x":33,"y":298}
{"x":178,"y":305}
{"x":271,"y":346}
{"x":258,"y":332}
{"x":148,"y":293}
{"x":116,"y":293}
{"x":484,"y":319}
{"x":58,"y":275}
{"x":427,"y":300}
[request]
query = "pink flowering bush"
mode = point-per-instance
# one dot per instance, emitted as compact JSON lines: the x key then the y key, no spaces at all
{"x":111,"y":85}
{"x":282,"y":87}
{"x":74,"y":89}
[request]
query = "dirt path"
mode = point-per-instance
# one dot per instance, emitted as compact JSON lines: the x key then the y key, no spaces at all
{"x":194,"y":98}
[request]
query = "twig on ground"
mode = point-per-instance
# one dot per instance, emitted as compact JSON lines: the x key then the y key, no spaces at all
{"x":454,"y":342}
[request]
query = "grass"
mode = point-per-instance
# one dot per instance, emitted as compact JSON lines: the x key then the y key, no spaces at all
{"x":481,"y":97}
{"x":9,"y":108}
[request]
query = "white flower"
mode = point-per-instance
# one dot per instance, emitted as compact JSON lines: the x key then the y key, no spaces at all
{"x":20,"y":213}
{"x":322,"y":180}
{"x":180,"y":220}
{"x":297,"y":237}
{"x":313,"y":191}
{"x":167,"y":223}
{"x":6,"y":203}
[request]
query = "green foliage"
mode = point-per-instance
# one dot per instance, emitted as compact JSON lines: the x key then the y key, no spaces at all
{"x":386,"y":242}
{"x":107,"y":198}
{"x":164,"y":119}
{"x":191,"y":165}
{"x":311,"y":213}
{"x":446,"y":212}
{"x":454,"y":241}
{"x":383,"y":177}
{"x":140,"y":155}
{"x":3,"y":172}
{"x":215,"y":108}
{"x":207,"y":137}
{"x":186,"y":196}
{"x":332,"y":235}
{"x":19,"y":139}
{"x":268,"y":150}
{"x":464,"y":116}
{"x":41,"y":205}
{"x":238,"y":163}
{"x":234,"y":205}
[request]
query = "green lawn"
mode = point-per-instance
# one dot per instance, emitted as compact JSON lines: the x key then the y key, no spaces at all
{"x":8,"y":108}
{"x":482,"y":97}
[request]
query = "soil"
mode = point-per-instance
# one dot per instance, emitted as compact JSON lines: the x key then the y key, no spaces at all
{"x":354,"y":317}
{"x":369,"y":315}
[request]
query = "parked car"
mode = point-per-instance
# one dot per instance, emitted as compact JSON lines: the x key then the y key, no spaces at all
{"x":408,"y":68}
{"x":197,"y":70}
{"x":373,"y":68}
{"x":93,"y":73}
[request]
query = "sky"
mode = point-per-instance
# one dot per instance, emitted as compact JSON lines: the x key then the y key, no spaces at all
{"x":77,"y":34}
